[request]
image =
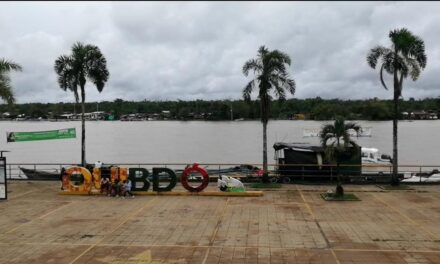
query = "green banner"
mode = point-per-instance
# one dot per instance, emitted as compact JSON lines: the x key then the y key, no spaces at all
{"x":41,"y":135}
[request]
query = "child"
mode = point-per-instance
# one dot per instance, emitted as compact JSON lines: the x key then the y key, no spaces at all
{"x":127,"y":187}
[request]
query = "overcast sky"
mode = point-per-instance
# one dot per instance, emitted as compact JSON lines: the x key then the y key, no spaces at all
{"x":195,"y":50}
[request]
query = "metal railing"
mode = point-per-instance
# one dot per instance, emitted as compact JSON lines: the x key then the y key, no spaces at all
{"x":278,"y":172}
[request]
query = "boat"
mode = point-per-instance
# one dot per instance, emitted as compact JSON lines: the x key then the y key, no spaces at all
{"x":314,"y":132}
{"x":373,"y":156}
{"x":302,"y":161}
{"x":33,"y":174}
{"x":374,"y":163}
{"x":240,"y":171}
{"x":433,"y":176}
{"x":308,"y":162}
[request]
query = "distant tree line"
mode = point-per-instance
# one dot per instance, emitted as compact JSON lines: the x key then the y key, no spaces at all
{"x":314,"y":108}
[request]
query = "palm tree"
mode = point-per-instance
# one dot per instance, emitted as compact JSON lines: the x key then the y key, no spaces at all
{"x":405,"y":57}
{"x":5,"y":82}
{"x":335,"y":138}
{"x":85,"y":63}
{"x":270,"y":76}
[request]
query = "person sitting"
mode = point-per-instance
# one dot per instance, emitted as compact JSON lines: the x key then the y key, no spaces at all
{"x":116,"y":188}
{"x":105,"y":185}
{"x":127,"y":188}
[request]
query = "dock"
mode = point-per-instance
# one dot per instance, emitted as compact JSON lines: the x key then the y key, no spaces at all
{"x":287,"y":225}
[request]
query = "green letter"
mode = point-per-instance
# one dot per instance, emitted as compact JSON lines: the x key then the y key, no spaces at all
{"x":134,"y":177}
{"x":171,"y":175}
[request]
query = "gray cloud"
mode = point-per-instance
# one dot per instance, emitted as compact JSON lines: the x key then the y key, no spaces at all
{"x":195,"y":50}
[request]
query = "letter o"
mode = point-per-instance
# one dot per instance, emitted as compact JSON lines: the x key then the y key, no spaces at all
{"x":85,"y":186}
{"x":195,"y":168}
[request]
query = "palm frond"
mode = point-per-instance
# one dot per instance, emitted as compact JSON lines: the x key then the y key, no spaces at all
{"x":414,"y":68}
{"x":282,"y":83}
{"x":6,"y":66}
{"x":336,"y":140}
{"x":418,"y":52}
{"x":381,"y":77}
{"x":353,"y":126}
{"x":96,"y":67}
{"x":279,"y":91}
{"x":388,"y":62}
{"x":6,"y":92}
{"x":281,"y":56}
{"x":262,"y":51}
{"x":375,"y":54}
{"x":86,"y":62}
{"x":66,"y":77}
{"x":248,"y":90}
{"x":252,"y":64}
{"x":409,"y":45}
{"x":270,"y":68}
{"x":327,"y":132}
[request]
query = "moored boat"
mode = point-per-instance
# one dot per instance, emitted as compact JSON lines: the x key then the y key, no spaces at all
{"x":433,"y":176}
{"x":33,"y":174}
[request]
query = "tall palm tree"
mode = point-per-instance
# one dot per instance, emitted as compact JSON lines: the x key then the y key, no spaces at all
{"x":85,"y":63}
{"x":405,"y":57}
{"x":335,"y":138}
{"x":5,"y":82}
{"x":271,"y":76}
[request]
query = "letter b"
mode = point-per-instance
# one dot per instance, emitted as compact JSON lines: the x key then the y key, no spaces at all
{"x":133,"y":176}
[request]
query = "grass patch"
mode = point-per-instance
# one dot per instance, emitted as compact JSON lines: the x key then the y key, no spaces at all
{"x":266,"y":185}
{"x":400,"y":187}
{"x":345,"y":197}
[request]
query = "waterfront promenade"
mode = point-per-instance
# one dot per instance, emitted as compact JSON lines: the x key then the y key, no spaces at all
{"x":288,"y":225}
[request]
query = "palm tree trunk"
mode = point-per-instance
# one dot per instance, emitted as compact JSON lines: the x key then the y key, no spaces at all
{"x":339,"y":189}
{"x":265,"y":171}
{"x":394,"y":178}
{"x":83,"y":128}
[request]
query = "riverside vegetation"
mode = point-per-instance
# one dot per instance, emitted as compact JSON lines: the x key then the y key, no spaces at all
{"x":314,"y":108}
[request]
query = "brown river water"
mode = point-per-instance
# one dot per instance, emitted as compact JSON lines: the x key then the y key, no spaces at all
{"x":236,"y":142}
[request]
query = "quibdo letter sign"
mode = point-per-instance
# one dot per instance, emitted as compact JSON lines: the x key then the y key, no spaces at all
{"x":80,"y":180}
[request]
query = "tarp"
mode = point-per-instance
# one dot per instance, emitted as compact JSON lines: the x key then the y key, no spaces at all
{"x":41,"y":135}
{"x":305,"y":147}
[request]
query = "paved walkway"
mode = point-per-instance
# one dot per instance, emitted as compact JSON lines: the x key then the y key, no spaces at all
{"x":288,"y":225}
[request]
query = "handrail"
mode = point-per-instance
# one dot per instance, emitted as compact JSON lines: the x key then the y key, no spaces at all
{"x":359,"y":173}
{"x":225,"y":164}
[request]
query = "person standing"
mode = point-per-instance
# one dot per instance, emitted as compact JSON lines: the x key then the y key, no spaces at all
{"x":63,"y":171}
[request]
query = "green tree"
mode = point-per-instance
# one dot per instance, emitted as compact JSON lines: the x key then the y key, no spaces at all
{"x":85,"y":63}
{"x":405,"y":57}
{"x":270,"y":76}
{"x":335,"y":138}
{"x":6,"y":92}
{"x":376,"y":110}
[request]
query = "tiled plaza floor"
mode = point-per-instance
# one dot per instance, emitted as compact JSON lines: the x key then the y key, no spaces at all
{"x":288,"y":225}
